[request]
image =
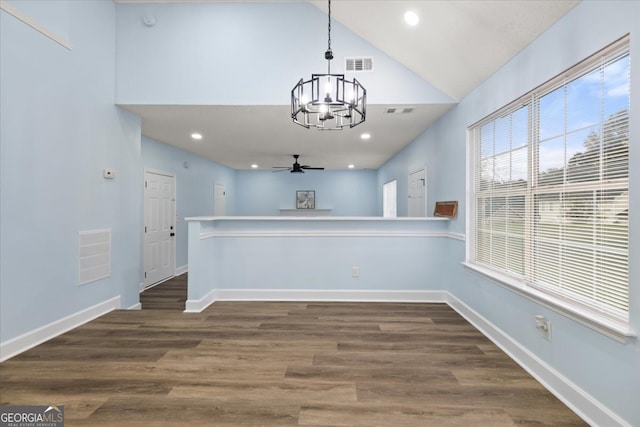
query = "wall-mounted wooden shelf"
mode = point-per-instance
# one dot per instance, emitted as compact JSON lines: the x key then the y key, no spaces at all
{"x":448,"y":209}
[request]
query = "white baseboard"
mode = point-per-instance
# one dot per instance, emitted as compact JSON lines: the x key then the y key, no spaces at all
{"x":177,"y":272}
{"x":24,"y":342}
{"x":137,"y":306}
{"x":196,"y":306}
{"x":583,"y":404}
{"x":338,"y":295}
{"x":144,"y":287}
{"x":587,"y":407}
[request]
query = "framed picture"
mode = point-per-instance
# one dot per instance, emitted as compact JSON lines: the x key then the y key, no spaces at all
{"x":305,"y":199}
{"x":448,"y":209}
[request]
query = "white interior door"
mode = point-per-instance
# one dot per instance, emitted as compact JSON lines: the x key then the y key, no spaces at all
{"x":219,"y":204}
{"x":159,"y":227}
{"x":389,"y":199}
{"x":417,"y":190}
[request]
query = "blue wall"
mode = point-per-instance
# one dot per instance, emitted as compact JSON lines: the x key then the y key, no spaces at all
{"x":253,"y":193}
{"x":225,"y":53}
{"x":347,"y":193}
{"x":413,"y":158}
{"x":315,"y":254}
{"x":606,"y":369}
{"x":59,"y":130}
{"x":194,"y":185}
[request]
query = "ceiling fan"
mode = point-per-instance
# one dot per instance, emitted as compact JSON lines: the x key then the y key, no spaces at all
{"x":296,"y":167}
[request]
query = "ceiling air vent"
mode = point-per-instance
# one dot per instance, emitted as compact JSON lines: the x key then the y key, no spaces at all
{"x":359,"y":64}
{"x":398,"y":110}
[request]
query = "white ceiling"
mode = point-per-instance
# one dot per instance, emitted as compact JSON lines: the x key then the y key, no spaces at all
{"x":455,"y":47}
{"x":272,"y":138}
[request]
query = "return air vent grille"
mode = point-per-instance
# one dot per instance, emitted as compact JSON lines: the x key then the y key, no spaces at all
{"x":359,"y":64}
{"x":94,"y":250}
{"x":399,"y":110}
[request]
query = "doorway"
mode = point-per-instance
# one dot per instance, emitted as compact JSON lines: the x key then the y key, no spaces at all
{"x":159,"y":227}
{"x":389,"y":199}
{"x":219,"y":203}
{"x":417,"y":194}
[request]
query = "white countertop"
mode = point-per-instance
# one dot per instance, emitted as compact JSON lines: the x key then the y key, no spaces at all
{"x":311,"y":218}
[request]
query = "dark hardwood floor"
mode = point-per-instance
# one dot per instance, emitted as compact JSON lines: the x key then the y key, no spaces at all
{"x":281,"y":364}
{"x":169,"y":295}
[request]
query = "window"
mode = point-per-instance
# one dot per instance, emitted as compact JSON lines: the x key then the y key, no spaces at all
{"x":551,"y":187}
{"x":389,"y":199}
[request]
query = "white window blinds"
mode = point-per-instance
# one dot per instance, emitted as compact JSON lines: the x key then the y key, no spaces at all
{"x":551,"y":186}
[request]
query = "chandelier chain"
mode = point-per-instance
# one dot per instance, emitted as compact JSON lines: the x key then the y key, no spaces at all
{"x":329,"y":27}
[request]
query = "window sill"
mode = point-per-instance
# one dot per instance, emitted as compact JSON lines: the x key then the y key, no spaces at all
{"x":612,"y":329}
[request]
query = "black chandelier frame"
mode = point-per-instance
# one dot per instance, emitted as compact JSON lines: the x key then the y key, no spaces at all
{"x":328,"y":101}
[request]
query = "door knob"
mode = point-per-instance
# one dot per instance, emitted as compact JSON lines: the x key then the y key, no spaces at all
{"x":172,"y":234}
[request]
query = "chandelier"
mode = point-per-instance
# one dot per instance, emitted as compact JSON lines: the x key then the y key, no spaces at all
{"x":328,"y":101}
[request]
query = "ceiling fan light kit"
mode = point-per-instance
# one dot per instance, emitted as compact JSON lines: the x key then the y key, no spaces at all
{"x":328,"y":101}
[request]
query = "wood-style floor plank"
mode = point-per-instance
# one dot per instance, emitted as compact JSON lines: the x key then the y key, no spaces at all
{"x":170,"y":295}
{"x":279,"y":364}
{"x":375,"y":415}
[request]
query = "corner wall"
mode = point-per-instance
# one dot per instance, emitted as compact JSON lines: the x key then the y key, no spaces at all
{"x":222,"y":53}
{"x":606,"y":370}
{"x":59,"y":129}
{"x":194,"y":185}
{"x":346,"y":193}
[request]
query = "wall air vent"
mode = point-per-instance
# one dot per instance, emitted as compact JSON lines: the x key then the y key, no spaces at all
{"x":398,"y":110}
{"x":358,"y":64}
{"x":94,"y":255}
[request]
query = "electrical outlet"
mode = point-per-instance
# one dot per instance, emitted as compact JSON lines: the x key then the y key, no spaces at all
{"x":355,"y":272}
{"x":543,"y":326}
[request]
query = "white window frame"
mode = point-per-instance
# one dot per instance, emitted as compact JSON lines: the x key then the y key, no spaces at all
{"x":617,"y":329}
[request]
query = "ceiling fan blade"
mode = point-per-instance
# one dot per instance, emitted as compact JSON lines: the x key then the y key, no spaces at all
{"x":296,"y":167}
{"x":281,"y":168}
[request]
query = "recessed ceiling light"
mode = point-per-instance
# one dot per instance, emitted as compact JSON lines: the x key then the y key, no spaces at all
{"x":351,"y":166}
{"x":365,"y":136}
{"x":196,"y":136}
{"x":411,"y":18}
{"x":254,"y":166}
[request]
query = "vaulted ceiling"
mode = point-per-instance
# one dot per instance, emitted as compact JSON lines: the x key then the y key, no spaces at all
{"x":455,"y":47}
